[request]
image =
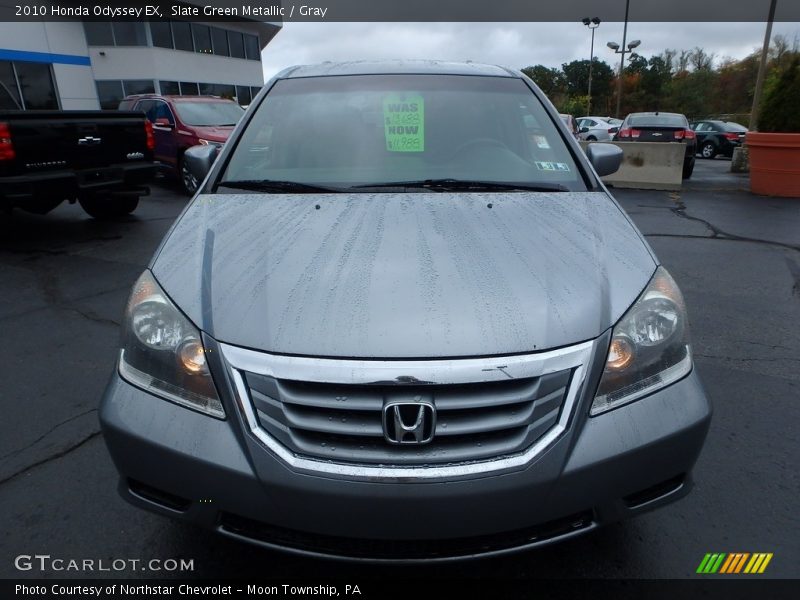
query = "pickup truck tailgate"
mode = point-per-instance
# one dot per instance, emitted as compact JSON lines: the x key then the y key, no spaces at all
{"x":45,"y":140}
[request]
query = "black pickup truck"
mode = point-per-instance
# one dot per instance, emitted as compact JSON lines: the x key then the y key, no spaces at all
{"x":101,"y":159}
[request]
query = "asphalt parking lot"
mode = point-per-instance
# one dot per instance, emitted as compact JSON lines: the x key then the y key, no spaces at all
{"x":65,"y":279}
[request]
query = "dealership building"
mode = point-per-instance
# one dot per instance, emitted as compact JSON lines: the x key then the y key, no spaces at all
{"x":76,"y":65}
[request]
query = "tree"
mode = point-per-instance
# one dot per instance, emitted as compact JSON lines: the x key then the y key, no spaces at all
{"x":576,"y":77}
{"x":550,"y":81}
{"x":778,"y":111}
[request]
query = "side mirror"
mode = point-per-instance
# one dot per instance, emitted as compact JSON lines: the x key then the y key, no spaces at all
{"x":163,"y":122}
{"x":200,"y":159}
{"x":584,"y":130}
{"x":605,"y":158}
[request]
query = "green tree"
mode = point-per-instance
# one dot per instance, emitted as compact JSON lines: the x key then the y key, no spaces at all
{"x":778,"y":111}
{"x":576,"y":76}
{"x":550,"y":81}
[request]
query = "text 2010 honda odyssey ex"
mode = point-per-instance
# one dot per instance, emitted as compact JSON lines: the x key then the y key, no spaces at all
{"x":403,"y":319}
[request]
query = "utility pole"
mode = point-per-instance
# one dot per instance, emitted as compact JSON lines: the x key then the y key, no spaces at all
{"x":592,"y":24}
{"x":762,"y":67}
{"x":622,"y":58}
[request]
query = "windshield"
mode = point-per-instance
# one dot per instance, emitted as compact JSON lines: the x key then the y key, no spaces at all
{"x":657,"y":121}
{"x":209,"y":113}
{"x":735,"y":127}
{"x":366,"y":130}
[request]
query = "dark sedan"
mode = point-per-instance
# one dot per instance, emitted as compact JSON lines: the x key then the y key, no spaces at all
{"x":660,"y":127}
{"x":718,"y":137}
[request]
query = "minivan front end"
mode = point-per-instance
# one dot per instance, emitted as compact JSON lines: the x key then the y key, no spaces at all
{"x":425,"y":333}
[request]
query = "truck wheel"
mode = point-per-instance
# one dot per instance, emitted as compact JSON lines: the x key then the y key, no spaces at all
{"x":109,"y":207}
{"x":708,"y":150}
{"x":189,"y":182}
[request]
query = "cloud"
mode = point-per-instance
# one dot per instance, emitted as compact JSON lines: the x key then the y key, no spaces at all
{"x":514,"y":45}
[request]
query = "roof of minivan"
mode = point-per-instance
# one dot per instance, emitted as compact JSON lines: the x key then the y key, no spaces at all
{"x":394,"y":67}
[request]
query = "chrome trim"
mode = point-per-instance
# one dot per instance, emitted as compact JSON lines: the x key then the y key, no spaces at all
{"x":472,"y":370}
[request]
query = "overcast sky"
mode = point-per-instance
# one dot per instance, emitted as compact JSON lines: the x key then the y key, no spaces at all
{"x":510,"y":44}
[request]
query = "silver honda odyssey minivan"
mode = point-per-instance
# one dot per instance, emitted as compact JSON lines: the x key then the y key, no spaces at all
{"x":403,"y":319}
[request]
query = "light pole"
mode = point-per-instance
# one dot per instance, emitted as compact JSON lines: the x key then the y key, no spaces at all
{"x":592,"y":24}
{"x":615,"y":47}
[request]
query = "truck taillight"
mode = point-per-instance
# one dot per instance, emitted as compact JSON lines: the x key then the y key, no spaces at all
{"x":148,"y":130}
{"x":6,"y":145}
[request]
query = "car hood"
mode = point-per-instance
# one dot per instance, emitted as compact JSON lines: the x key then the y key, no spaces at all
{"x":404,"y":275}
{"x":215,"y":133}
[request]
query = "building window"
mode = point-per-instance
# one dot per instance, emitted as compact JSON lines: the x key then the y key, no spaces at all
{"x":202,"y":38}
{"x":170,"y":88}
{"x":243,"y":95}
{"x":251,"y":47}
{"x":120,"y":33}
{"x":236,"y":42}
{"x":138,"y":86}
{"x":219,"y":37}
{"x":182,"y":34}
{"x":254,"y":91}
{"x":9,"y":92}
{"x":189,"y":89}
{"x":110,"y":94}
{"x":36,"y":84}
{"x":129,"y":33}
{"x":98,"y":34}
{"x":161,"y":33}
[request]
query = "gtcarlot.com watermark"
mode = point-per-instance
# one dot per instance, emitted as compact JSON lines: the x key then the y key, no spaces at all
{"x":48,"y":563}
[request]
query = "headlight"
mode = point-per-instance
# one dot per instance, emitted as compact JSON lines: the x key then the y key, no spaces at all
{"x":649,"y":346}
{"x":162,"y":352}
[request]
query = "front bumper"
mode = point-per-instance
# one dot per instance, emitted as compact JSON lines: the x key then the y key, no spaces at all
{"x":215,"y":473}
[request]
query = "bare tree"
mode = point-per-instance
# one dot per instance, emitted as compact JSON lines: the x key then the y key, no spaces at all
{"x":701,"y":60}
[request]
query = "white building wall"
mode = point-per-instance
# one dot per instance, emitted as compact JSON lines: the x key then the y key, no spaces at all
{"x":75,"y":86}
{"x":110,"y":62}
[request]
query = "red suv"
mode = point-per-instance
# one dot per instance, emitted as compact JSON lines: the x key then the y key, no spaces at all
{"x":180,"y":122}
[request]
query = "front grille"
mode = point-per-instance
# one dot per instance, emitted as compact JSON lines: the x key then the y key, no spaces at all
{"x":343,"y":423}
{"x":403,"y":549}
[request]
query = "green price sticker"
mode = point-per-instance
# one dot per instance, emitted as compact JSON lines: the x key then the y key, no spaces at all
{"x":404,"y":122}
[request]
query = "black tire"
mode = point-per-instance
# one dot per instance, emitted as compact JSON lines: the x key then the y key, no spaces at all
{"x":688,"y":168}
{"x":591,"y":138}
{"x":708,"y":150}
{"x":109,"y":207}
{"x":189,"y":182}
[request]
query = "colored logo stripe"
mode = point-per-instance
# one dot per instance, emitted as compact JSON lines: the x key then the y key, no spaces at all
{"x":758,"y":563}
{"x":710,"y":563}
{"x":723,"y":563}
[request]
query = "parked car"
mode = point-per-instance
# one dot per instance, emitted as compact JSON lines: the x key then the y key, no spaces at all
{"x":378,"y":333}
{"x":572,"y":125}
{"x":661,"y":127}
{"x":180,"y":122}
{"x":102,"y":160}
{"x":598,"y":129}
{"x":718,"y":137}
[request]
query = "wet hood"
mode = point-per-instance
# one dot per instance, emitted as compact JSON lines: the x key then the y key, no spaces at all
{"x":216,"y":133}
{"x":404,"y":275}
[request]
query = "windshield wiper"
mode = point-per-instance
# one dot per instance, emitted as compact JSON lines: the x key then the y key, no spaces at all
{"x":445,"y":185}
{"x":279,"y":187}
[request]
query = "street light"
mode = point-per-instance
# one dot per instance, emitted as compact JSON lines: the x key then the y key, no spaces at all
{"x":592,"y":24}
{"x":616,"y":48}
